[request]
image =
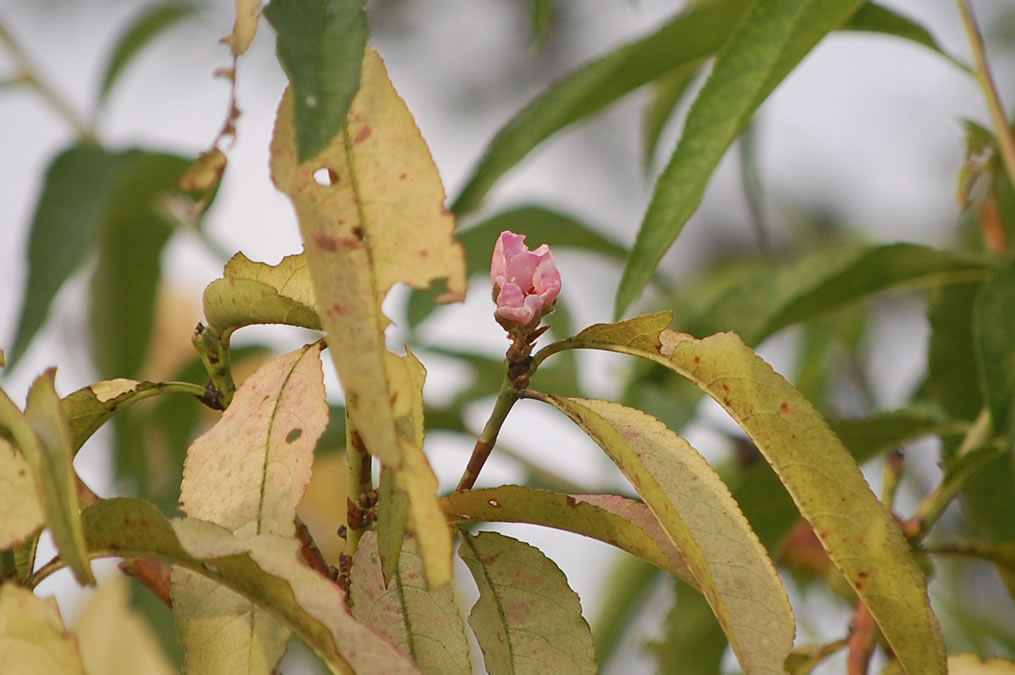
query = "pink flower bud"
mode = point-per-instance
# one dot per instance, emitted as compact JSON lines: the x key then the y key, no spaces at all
{"x":525,"y":283}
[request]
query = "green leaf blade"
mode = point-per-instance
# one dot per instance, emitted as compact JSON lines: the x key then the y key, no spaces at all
{"x":64,"y":230}
{"x":320,"y":46}
{"x":994,"y":334}
{"x":766,"y":45}
{"x":690,"y":36}
{"x":145,"y":28}
{"x":527,"y":618}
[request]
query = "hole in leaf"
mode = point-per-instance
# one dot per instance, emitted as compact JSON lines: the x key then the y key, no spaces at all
{"x":325,"y":177}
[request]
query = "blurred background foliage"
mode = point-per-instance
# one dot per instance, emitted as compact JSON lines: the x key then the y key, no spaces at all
{"x":796,"y":248}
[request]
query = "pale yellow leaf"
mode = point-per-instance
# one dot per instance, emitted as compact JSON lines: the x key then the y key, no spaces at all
{"x":321,"y":603}
{"x":252,"y":292}
{"x":374,"y":217}
{"x":970,"y":664}
{"x":33,"y":640}
{"x":696,"y":510}
{"x":247,"y":474}
{"x":426,"y":625}
{"x":860,"y":535}
{"x":20,"y":507}
{"x":116,"y":640}
{"x":413,"y":475}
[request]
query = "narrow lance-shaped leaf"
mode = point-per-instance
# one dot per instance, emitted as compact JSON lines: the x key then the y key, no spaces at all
{"x":380,"y":221}
{"x":247,"y":474}
{"x":994,"y":333}
{"x":264,"y":569}
{"x":413,"y":476}
{"x":859,"y":534}
{"x":32,"y":635}
{"x":44,"y":438}
{"x":527,"y":619}
{"x":622,"y":522}
{"x":425,"y":624}
{"x":772,"y":37}
{"x":145,"y":28}
{"x":696,"y":510}
{"x":320,"y":46}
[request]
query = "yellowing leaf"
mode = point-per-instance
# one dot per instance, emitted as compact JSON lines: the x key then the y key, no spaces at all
{"x":19,"y":502}
{"x":426,"y":625}
{"x":251,"y":292}
{"x":90,"y":407}
{"x":245,"y":27}
{"x":856,"y":530}
{"x":970,"y":664}
{"x":32,"y":637}
{"x":247,"y":474}
{"x":43,"y":435}
{"x":378,"y":220}
{"x":622,"y":522}
{"x":695,"y":507}
{"x":527,"y":619}
{"x":114,"y":639}
{"x":413,"y":475}
{"x":265,"y":569}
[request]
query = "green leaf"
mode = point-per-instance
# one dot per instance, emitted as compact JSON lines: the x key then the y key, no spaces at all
{"x":765,"y":46}
{"x":65,"y":228}
{"x":527,"y":619}
{"x":952,"y":368}
{"x":827,"y":280}
{"x":688,"y":37}
{"x":540,"y":225}
{"x":540,"y":19}
{"x":694,"y":643}
{"x":392,"y":511}
{"x":44,"y":438}
{"x":994,"y":333}
{"x":627,"y":588}
{"x":873,"y":18}
{"x":250,"y":488}
{"x":860,"y":535}
{"x":426,"y":625}
{"x":265,"y":569}
{"x":667,"y":92}
{"x":320,"y":46}
{"x":130,"y":239}
{"x":144,"y":29}
{"x":33,"y":638}
{"x":625,"y":523}
{"x":698,"y":513}
{"x":869,"y":436}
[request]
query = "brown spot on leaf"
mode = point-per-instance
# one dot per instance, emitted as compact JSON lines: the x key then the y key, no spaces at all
{"x":863,"y":575}
{"x":363,"y":134}
{"x":293,"y":435}
{"x":356,"y":231}
{"x":697,"y":359}
{"x":401,"y":176}
{"x":338,"y":309}
{"x":784,"y":408}
{"x":424,"y":253}
{"x":327,"y":243}
{"x":572,"y":502}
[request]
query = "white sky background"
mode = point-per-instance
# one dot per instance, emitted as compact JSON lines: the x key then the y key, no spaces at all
{"x":868,"y":128}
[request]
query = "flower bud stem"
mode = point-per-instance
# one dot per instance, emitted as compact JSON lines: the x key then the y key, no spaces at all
{"x":488,"y":437}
